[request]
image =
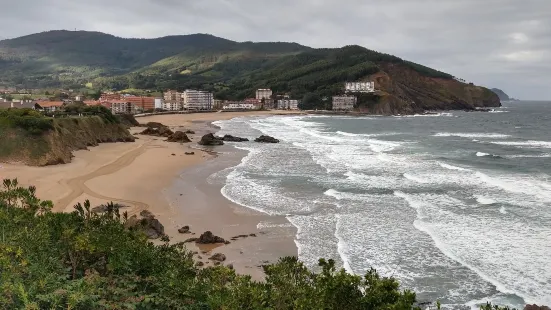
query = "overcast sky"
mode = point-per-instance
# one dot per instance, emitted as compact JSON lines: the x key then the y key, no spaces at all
{"x":495,"y":43}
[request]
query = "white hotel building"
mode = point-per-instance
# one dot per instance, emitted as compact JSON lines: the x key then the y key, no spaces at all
{"x":263,"y":94}
{"x":196,"y":100}
{"x":287,"y":104}
{"x":359,"y":87}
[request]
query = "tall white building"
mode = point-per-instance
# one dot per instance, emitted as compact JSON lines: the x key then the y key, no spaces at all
{"x":197,"y":100}
{"x":359,"y":87}
{"x":159,"y":103}
{"x":344,"y":103}
{"x":287,"y":104}
{"x":263,"y":94}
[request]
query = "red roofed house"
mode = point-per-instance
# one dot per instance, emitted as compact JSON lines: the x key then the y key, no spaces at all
{"x":50,"y":106}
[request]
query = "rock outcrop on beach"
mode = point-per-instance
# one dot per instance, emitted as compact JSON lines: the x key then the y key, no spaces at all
{"x":230,"y":138}
{"x":266,"y":139}
{"x":219,"y":257}
{"x":209,"y":238}
{"x":210,"y":140}
{"x":184,"y":230}
{"x":151,"y":226}
{"x":157,"y":129}
{"x":178,"y":136}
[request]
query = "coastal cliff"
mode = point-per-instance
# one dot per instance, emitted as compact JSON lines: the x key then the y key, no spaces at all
{"x":56,"y":144}
{"x":402,"y":90}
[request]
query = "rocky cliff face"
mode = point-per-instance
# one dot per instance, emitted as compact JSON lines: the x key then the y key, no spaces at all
{"x":56,"y":146}
{"x":405,"y":91}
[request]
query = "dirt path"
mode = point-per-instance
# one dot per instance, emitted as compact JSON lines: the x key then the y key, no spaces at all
{"x":78,"y":186}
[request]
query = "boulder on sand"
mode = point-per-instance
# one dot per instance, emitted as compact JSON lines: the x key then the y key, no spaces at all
{"x":150,"y":225}
{"x":266,"y":139}
{"x":231,"y":138}
{"x":219,"y":257}
{"x":178,"y":136}
{"x":210,"y":139}
{"x":157,"y":129}
{"x":536,"y":307}
{"x":184,"y":230}
{"x":209,"y":238}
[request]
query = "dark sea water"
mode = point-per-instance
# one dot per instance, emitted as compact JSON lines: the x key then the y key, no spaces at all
{"x":457,"y":206}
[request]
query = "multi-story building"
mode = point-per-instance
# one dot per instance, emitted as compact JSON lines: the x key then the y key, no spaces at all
{"x":287,"y":104}
{"x":159,"y":103}
{"x":196,"y":100}
{"x":120,"y":107}
{"x":172,"y":105}
{"x":344,"y":103}
{"x":172,"y":95}
{"x":238,"y":105}
{"x":109,"y":97}
{"x":144,"y":103}
{"x":263,"y":94}
{"x":359,"y":87}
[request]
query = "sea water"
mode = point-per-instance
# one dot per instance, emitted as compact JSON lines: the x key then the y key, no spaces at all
{"x":456,"y":206}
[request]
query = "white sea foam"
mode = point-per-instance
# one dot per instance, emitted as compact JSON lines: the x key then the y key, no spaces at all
{"x":342,"y":246}
{"x":502,"y":210}
{"x":450,"y":167}
{"x":525,"y":144}
{"x":481,"y":154}
{"x":484,"y":200}
{"x":472,"y":135}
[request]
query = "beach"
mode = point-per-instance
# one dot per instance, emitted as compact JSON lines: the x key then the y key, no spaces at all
{"x":155,"y":175}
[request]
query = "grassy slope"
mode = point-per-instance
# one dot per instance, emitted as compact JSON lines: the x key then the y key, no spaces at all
{"x":56,"y":146}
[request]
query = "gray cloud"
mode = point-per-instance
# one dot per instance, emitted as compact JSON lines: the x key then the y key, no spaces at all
{"x":496,"y":43}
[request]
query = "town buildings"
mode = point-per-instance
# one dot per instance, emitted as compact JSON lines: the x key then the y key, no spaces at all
{"x":172,"y":95}
{"x":263,"y":94}
{"x":287,"y":104}
{"x":172,"y":105}
{"x":359,"y":87}
{"x":196,"y":100}
{"x":109,"y":97}
{"x":238,"y":105}
{"x":344,"y":103}
{"x":50,"y":106}
{"x":141,"y":102}
{"x":159,"y":103}
{"x":121,"y":107}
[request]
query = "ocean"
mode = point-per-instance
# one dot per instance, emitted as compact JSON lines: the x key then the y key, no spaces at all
{"x":456,"y":205}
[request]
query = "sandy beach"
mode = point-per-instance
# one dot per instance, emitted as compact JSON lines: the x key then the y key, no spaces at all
{"x":157,"y":176}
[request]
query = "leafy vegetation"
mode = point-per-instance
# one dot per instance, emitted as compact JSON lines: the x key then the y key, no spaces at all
{"x":88,"y":260}
{"x":31,"y":121}
{"x":85,"y":260}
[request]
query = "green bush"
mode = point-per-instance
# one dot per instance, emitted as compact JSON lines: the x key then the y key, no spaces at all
{"x":31,"y":121}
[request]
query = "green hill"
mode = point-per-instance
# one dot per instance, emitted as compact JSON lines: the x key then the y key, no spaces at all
{"x":233,"y":70}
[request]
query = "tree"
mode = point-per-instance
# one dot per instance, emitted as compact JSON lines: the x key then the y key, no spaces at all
{"x":311,"y":101}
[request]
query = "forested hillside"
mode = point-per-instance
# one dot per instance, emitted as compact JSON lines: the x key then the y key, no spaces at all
{"x":231,"y":70}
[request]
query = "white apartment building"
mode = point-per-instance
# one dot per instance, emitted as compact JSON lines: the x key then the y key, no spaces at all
{"x":172,"y":105}
{"x":159,"y":103}
{"x":263,"y":94}
{"x":197,"y":100}
{"x":344,"y":103}
{"x":359,"y":87}
{"x":239,"y":106}
{"x":287,"y":104}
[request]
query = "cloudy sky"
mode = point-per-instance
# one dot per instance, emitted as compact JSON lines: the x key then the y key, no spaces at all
{"x":496,"y":43}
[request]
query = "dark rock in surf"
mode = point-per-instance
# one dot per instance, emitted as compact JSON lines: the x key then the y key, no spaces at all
{"x":266,"y":139}
{"x":210,"y":139}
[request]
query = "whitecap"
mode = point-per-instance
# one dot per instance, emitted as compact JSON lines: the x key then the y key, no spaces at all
{"x":484,"y":200}
{"x":450,"y":167}
{"x":472,"y":135}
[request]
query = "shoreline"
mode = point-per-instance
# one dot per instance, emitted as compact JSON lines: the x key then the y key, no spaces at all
{"x":142,"y":175}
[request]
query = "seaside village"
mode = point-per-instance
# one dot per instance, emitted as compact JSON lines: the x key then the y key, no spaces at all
{"x":174,"y":101}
